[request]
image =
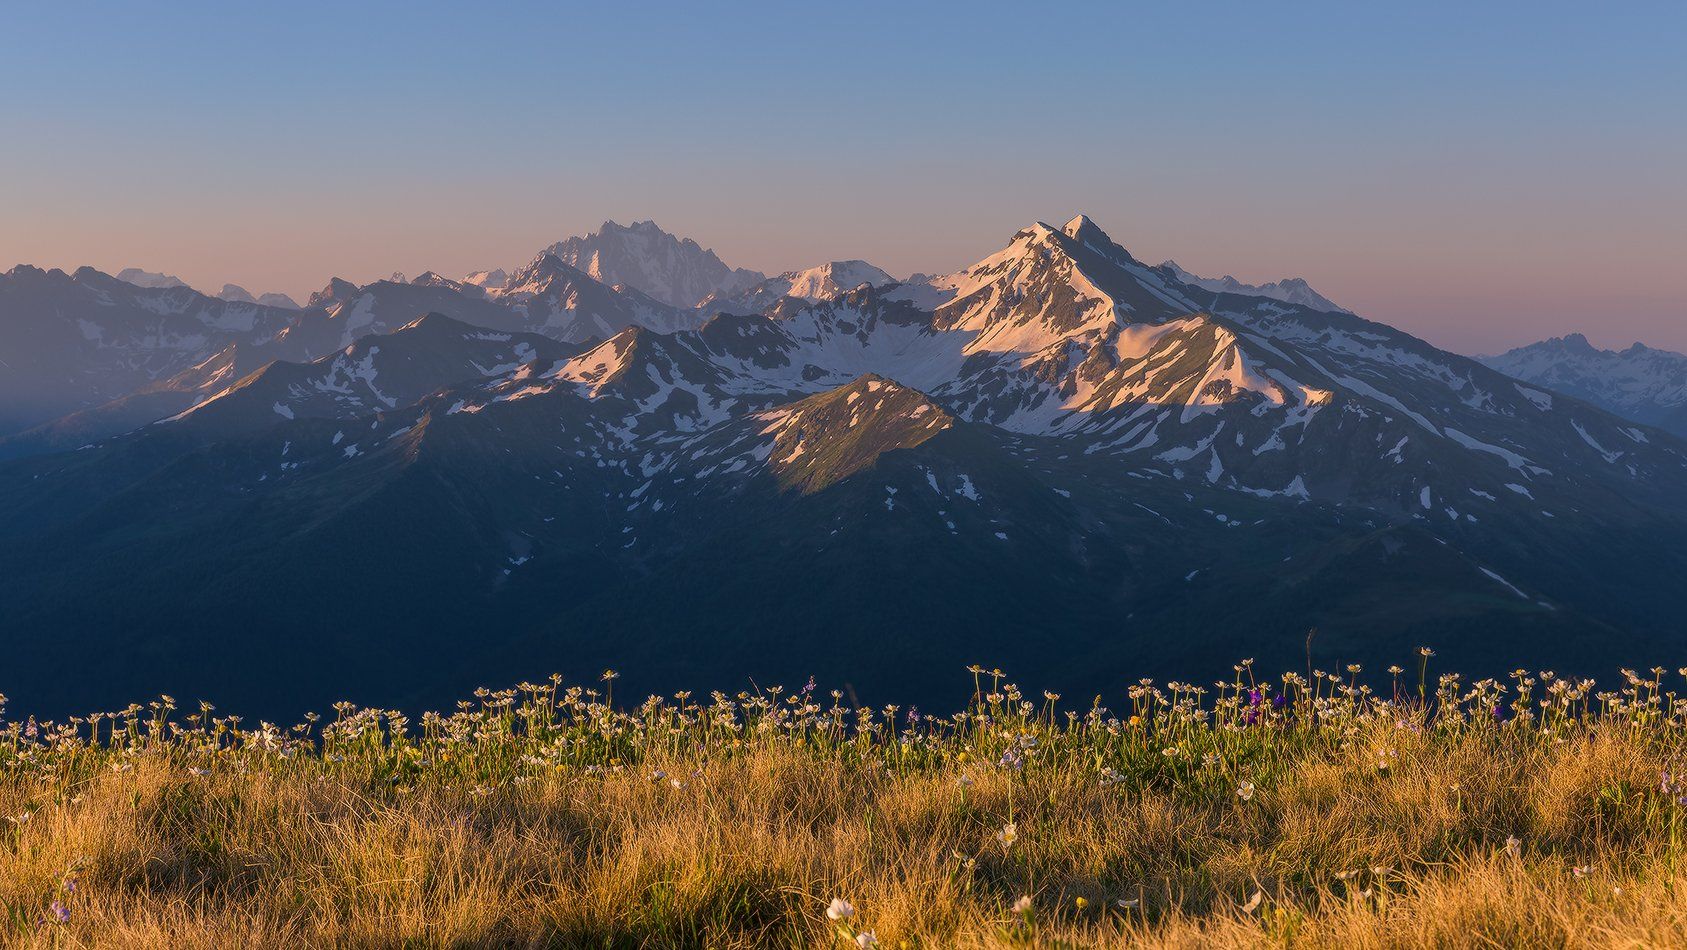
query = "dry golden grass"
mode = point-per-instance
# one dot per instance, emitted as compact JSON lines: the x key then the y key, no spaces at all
{"x":556,"y":822}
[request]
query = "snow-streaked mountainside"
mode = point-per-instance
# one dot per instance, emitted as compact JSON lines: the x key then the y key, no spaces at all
{"x":1293,"y":290}
{"x":1064,"y":336}
{"x":74,"y":343}
{"x":675,"y":271}
{"x":1059,"y":458}
{"x":1640,"y":383}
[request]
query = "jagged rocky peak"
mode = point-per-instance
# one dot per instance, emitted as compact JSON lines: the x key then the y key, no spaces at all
{"x":546,"y":271}
{"x":1576,"y":343}
{"x":338,"y":290}
{"x":1052,"y":284}
{"x":1083,"y":230}
{"x":432,"y":279}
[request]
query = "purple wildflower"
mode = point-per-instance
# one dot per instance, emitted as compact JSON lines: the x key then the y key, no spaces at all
{"x":60,"y":913}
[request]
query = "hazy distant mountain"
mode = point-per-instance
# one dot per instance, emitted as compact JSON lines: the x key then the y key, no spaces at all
{"x":239,"y":294}
{"x":676,"y":272}
{"x":1059,"y":460}
{"x":70,"y":342}
{"x":488,"y":279}
{"x":1639,"y":383}
{"x":377,"y":373}
{"x":1289,"y":290}
{"x":281,"y":301}
{"x":75,"y":348}
{"x":155,"y":400}
{"x":141,"y":278}
{"x":813,"y":284}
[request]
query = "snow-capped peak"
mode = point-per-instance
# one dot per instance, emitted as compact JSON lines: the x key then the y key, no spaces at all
{"x":1077,"y":224}
{"x":1050,"y":285}
{"x":675,"y":271}
{"x":833,"y":278}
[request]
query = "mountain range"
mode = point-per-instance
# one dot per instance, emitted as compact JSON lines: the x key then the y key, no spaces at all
{"x":1640,"y":383}
{"x":1059,"y":460}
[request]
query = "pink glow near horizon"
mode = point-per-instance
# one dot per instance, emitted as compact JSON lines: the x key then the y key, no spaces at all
{"x":1471,"y":292}
{"x":1515,"y":178}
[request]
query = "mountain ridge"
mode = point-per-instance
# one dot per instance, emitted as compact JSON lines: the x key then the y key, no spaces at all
{"x":1058,"y":438}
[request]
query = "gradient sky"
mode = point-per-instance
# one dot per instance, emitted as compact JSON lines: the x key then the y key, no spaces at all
{"x":1479,"y":174}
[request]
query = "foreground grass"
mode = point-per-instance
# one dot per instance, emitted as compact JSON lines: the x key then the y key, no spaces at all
{"x":1291,"y":812}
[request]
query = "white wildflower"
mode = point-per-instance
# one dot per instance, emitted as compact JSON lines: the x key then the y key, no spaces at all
{"x":1008,"y":835}
{"x":840,"y":909}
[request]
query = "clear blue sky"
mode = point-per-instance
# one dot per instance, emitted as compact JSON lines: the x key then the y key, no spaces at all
{"x":1481,"y":174}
